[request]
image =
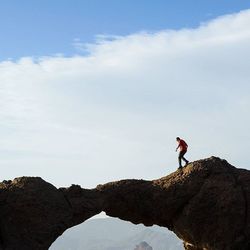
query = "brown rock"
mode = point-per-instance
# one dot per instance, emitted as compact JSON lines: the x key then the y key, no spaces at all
{"x":206,"y":204}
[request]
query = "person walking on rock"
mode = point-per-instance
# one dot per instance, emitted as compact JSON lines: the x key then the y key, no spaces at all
{"x":182,"y":145}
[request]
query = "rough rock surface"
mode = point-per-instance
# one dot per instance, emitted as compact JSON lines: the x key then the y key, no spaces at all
{"x":206,"y":204}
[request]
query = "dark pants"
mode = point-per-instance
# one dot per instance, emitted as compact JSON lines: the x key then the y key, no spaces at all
{"x":181,"y":157}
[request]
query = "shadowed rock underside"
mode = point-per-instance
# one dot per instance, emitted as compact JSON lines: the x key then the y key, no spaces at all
{"x":206,"y":204}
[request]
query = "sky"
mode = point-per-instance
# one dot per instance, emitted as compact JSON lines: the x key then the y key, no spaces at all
{"x":96,"y":91}
{"x":46,"y":28}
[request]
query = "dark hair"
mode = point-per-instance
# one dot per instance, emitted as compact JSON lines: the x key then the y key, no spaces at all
{"x":178,"y":138}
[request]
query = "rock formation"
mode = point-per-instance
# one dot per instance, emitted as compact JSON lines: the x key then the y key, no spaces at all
{"x":206,"y":204}
{"x":143,"y":246}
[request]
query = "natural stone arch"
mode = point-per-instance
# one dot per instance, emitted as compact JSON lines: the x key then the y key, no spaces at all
{"x":205,"y":204}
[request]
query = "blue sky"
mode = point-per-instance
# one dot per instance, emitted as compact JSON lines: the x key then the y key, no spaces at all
{"x":171,"y":69}
{"x":45,"y":27}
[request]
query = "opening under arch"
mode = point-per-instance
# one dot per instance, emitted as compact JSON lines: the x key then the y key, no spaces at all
{"x":107,"y":233}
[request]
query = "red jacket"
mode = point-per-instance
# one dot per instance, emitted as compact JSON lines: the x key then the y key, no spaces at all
{"x":182,"y":145}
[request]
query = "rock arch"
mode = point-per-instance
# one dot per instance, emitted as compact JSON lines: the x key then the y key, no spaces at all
{"x":206,"y":204}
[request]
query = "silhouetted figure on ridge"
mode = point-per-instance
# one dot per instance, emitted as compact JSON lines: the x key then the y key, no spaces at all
{"x":182,"y":145}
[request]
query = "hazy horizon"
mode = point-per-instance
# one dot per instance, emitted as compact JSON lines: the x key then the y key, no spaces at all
{"x":122,"y":235}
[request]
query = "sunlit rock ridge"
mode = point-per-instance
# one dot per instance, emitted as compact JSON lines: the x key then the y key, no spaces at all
{"x":206,"y":204}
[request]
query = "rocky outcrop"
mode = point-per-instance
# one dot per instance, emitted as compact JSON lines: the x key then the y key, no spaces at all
{"x":143,"y":246}
{"x":206,"y":204}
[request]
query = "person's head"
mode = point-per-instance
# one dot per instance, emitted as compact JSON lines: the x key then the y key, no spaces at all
{"x":178,"y":138}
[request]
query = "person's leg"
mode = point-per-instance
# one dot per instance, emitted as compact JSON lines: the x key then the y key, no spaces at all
{"x":179,"y":158}
{"x":183,"y":153}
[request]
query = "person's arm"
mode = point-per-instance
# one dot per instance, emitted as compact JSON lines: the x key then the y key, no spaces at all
{"x":177,"y":147}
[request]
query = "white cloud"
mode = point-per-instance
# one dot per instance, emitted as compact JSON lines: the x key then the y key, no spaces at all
{"x":115,"y":112}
